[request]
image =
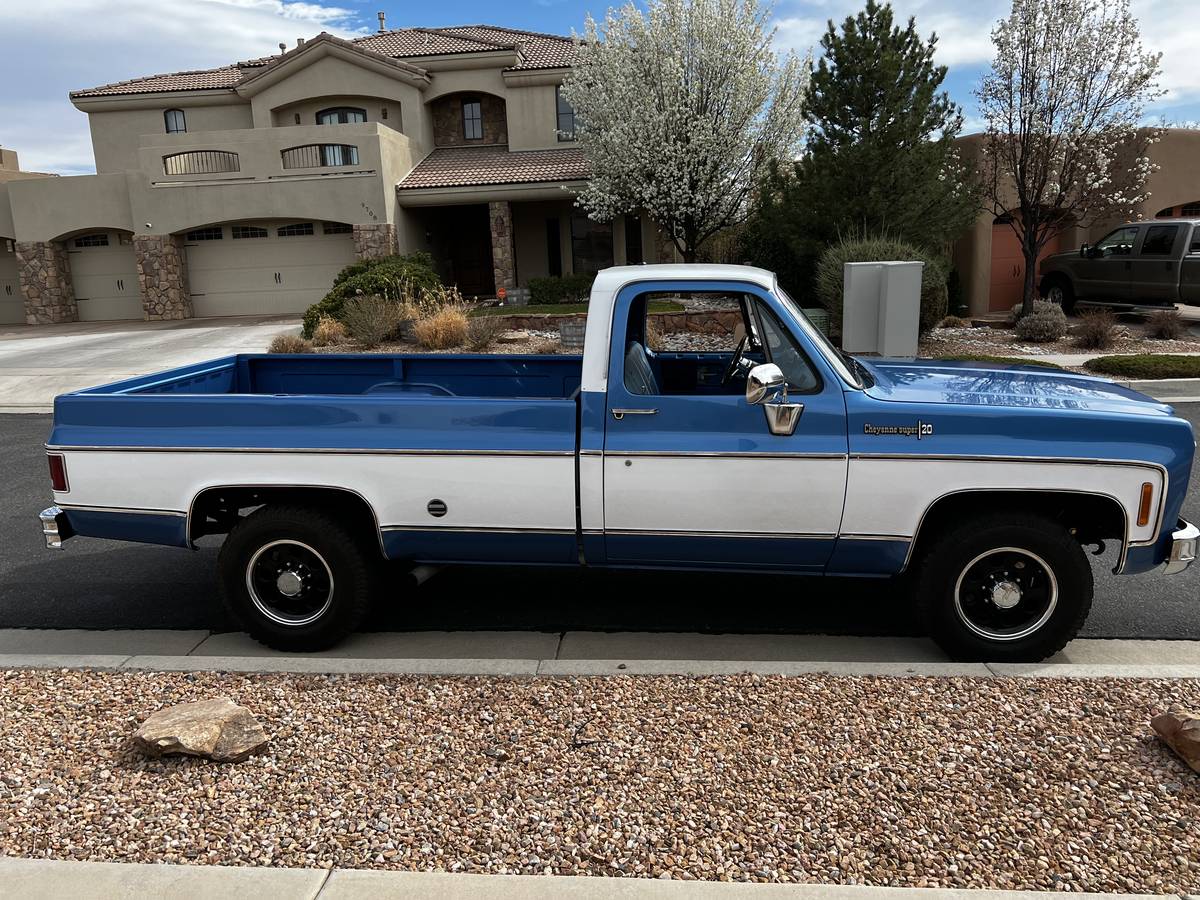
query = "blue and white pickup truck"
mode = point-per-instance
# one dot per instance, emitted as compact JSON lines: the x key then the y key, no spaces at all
{"x":980,"y":485}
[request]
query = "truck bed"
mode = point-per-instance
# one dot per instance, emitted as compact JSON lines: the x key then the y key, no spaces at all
{"x":443,"y":402}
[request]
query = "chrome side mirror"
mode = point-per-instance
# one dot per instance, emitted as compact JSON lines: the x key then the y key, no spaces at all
{"x":762,"y":380}
{"x":782,"y":417}
{"x":1083,"y":250}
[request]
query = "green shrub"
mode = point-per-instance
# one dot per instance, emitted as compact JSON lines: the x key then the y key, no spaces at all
{"x":1165,"y":325}
{"x":1146,"y":365}
{"x":1046,"y":323}
{"x":390,"y":277}
{"x":560,"y":289}
{"x":830,"y":268}
{"x":1096,"y":330}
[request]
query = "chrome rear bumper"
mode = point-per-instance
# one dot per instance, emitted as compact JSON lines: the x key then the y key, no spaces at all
{"x":1184,"y":541}
{"x":55,"y":527}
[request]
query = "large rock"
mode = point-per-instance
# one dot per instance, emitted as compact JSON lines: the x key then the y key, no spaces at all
{"x":1180,"y":728}
{"x":217,"y":729}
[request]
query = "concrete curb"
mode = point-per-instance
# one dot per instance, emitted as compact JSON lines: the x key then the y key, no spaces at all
{"x":583,"y":667}
{"x":36,"y":879}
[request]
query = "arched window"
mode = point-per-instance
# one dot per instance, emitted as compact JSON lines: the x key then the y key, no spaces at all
{"x":341,"y":115}
{"x":175,"y":121}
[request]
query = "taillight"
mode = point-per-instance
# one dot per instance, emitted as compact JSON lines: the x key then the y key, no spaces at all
{"x":1144,"y":507}
{"x":58,"y":472}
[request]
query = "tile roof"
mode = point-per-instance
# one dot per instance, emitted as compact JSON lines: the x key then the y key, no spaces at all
{"x":538,"y":51}
{"x":475,"y":166}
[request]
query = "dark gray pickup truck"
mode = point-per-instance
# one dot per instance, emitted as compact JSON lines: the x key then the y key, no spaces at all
{"x":1155,"y":263}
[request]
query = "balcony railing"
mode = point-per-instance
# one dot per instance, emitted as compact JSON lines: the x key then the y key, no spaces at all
{"x":201,"y":162}
{"x":315,"y":156}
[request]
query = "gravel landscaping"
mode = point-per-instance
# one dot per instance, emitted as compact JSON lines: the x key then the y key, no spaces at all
{"x":953,"y":782}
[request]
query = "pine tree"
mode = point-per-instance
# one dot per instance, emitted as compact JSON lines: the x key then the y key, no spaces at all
{"x":880,"y":155}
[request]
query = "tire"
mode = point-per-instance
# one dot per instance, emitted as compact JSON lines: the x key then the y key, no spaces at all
{"x":331,"y":573}
{"x":1059,"y":291}
{"x":1007,"y":587}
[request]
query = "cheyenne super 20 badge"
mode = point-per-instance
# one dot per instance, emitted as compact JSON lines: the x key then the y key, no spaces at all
{"x":920,"y":430}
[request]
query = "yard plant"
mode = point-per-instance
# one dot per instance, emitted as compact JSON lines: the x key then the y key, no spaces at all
{"x":1146,"y":365}
{"x":393,"y":278}
{"x":560,"y":289}
{"x":1045,"y":323}
{"x":1165,"y":325}
{"x":831,"y":268}
{"x":1097,"y":330}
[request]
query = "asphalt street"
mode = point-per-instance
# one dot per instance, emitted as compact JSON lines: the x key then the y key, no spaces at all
{"x":101,"y":584}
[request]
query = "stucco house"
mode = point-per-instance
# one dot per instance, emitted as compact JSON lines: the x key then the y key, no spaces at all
{"x":988,"y":257}
{"x":243,"y":189}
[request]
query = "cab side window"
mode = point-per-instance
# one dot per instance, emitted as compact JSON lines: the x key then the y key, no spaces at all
{"x":1117,"y":243}
{"x":1159,"y":240}
{"x":781,"y":349}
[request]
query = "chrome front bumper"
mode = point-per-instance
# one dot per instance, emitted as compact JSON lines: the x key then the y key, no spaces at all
{"x":55,"y":527}
{"x":1184,"y":541}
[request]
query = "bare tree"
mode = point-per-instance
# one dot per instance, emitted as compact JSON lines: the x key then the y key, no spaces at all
{"x":680,"y":109}
{"x":1063,"y":105}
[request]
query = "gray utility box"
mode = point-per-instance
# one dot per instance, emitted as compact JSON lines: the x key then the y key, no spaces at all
{"x":881,"y":311}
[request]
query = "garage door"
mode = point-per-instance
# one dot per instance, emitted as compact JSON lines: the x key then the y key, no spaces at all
{"x":104,"y":272}
{"x":12,"y":304}
{"x":264,"y":268}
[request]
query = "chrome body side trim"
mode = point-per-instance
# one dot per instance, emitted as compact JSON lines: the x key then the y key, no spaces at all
{"x":124,"y":509}
{"x":705,"y":454}
{"x":477,"y":529}
{"x":634,"y":532}
{"x":875,"y":537}
{"x":300,"y":451}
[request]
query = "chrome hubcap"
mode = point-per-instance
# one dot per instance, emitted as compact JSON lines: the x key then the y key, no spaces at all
{"x":1006,"y":594}
{"x":289,"y":583}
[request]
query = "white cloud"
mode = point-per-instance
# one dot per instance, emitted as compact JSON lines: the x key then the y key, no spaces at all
{"x":964,"y":37}
{"x":55,"y":46}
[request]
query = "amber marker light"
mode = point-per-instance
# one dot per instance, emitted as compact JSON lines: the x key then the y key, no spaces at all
{"x":1144,"y":506}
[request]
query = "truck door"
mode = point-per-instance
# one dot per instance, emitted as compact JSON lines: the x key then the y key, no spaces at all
{"x":1105,"y":273}
{"x":1154,"y":269}
{"x":1189,"y":272}
{"x":693,"y":476}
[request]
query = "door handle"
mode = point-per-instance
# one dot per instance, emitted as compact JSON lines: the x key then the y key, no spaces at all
{"x":619,"y":414}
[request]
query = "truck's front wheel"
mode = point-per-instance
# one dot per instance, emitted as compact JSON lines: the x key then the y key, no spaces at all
{"x":295,"y":578}
{"x":1059,"y":292}
{"x":1009,"y":587}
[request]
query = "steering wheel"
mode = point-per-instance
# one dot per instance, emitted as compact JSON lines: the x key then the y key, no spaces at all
{"x":734,"y":363}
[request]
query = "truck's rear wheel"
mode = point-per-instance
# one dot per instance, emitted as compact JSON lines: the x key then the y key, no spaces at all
{"x":1058,"y":291}
{"x":1009,"y":587}
{"x":295,"y":578}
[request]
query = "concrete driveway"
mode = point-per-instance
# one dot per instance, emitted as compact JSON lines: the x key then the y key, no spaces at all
{"x":38,"y":362}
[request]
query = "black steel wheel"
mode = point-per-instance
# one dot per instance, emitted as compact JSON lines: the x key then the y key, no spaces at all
{"x":295,"y":578}
{"x":1006,"y":587}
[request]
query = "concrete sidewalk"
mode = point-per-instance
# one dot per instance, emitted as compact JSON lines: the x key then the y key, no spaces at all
{"x":32,"y":879}
{"x":577,"y":653}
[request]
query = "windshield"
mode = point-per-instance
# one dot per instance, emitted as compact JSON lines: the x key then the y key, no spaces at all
{"x":851,"y":371}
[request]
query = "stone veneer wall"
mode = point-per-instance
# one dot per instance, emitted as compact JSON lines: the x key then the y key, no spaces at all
{"x":45,"y":272}
{"x":448,"y":121}
{"x":374,"y":241}
{"x":503,"y":267}
{"x":162,"y":276}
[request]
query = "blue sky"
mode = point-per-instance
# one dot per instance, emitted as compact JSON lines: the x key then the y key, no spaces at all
{"x":60,"y":45}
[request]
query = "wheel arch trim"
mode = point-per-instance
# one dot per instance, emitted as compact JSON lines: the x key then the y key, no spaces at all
{"x":284,"y":487}
{"x":1041,"y":492}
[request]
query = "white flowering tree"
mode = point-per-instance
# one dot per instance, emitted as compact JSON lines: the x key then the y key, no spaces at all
{"x":679,"y":109}
{"x":1063,"y":106}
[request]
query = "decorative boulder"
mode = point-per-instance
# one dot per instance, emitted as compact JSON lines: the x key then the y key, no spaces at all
{"x":512,"y":337}
{"x":217,"y":729}
{"x":1180,"y":729}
